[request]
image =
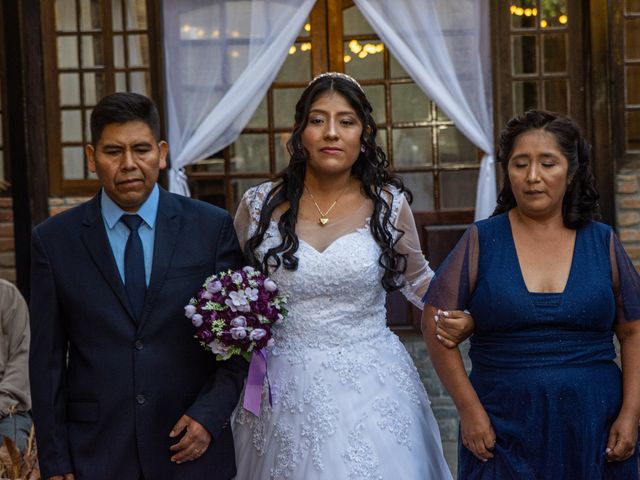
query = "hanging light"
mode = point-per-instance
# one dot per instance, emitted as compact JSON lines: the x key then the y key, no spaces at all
{"x":347,"y":58}
{"x":292,"y":49}
{"x":563,"y":19}
{"x":307,"y":27}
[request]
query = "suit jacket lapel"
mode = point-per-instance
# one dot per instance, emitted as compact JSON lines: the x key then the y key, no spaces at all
{"x":167,"y":228}
{"x":95,"y":240}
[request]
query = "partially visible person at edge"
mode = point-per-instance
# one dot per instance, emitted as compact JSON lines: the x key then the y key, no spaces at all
{"x":335,"y":231}
{"x":121,"y":390}
{"x":15,"y":399}
{"x":547,"y":286}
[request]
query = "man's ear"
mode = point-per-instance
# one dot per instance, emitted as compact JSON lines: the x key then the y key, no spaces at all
{"x":91,"y":162}
{"x":163,"y":146}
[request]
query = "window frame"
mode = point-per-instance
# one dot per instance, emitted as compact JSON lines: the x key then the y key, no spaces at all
{"x":58,"y":185}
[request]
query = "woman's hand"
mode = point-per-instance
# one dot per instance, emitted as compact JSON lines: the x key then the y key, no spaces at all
{"x":453,"y":327}
{"x":622,"y":438}
{"x":477,"y":433}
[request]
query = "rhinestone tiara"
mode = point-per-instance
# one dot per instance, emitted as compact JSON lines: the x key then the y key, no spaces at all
{"x":344,"y":76}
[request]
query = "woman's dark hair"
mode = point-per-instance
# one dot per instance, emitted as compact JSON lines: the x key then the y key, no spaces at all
{"x":123,"y":107}
{"x":371,"y":168}
{"x":580,"y":202}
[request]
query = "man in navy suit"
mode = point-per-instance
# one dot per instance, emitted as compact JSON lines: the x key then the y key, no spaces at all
{"x":120,"y":388}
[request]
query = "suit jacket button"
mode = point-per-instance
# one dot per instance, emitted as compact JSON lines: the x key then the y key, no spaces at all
{"x":140,"y":400}
{"x":138,"y":345}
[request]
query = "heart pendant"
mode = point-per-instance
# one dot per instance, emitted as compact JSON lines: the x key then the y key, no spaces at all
{"x":323,"y":221}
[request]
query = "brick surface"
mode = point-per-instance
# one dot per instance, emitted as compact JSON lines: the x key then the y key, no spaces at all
{"x":6,"y":215}
{"x":6,"y":230}
{"x":629,"y":235}
{"x":8,"y":274}
{"x":629,"y":202}
{"x":627,"y":219}
{"x":633,"y":251}
{"x":7,"y":259}
{"x":7,"y":245}
{"x":627,"y":183}
{"x":6,"y":202}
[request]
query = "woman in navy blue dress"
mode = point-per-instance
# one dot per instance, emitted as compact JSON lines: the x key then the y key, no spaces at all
{"x":548,"y":286}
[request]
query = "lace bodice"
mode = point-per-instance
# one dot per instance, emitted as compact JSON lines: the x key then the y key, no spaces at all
{"x":335,"y":295}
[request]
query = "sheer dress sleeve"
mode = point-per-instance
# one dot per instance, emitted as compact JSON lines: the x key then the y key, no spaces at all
{"x":626,"y":283}
{"x":418,"y":274}
{"x":455,"y":279}
{"x":248,"y":212}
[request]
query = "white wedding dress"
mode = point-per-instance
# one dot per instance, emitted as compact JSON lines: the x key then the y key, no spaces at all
{"x":347,"y":399}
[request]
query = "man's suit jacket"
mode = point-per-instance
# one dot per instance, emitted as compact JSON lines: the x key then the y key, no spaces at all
{"x":107,"y":389}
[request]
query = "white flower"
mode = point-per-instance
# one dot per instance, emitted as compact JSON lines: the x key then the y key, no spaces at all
{"x":257,"y":334}
{"x":239,"y":321}
{"x":189,"y":311}
{"x":217,"y":347}
{"x":238,"y":333}
{"x":248,"y":269}
{"x":270,"y":285}
{"x":196,"y":320}
{"x":251,"y":293}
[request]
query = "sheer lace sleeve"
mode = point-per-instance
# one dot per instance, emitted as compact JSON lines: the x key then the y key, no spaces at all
{"x":248,"y":212}
{"x":455,"y":279}
{"x":626,"y":283}
{"x":242,"y":221}
{"x":418,"y":274}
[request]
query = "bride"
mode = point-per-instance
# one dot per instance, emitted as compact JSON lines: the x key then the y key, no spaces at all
{"x":335,"y":232}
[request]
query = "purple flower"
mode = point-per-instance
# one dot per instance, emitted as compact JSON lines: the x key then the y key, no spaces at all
{"x":189,"y":311}
{"x":214,"y":287}
{"x":270,"y":285}
{"x":239,"y":321}
{"x":207,"y":295}
{"x":257,"y":334}
{"x":236,"y":277}
{"x":196,"y":319}
{"x":238,"y":333}
{"x":238,"y":301}
{"x":218,"y":347}
{"x":205,"y":335}
{"x":251,"y":293}
{"x":271,"y":342}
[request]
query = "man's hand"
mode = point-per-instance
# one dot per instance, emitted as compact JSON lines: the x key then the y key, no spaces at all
{"x":193,"y":444}
{"x":453,"y":327}
{"x":66,"y":476}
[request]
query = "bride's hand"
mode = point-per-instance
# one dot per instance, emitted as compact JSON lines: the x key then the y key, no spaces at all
{"x":477,"y":433}
{"x":453,"y":327}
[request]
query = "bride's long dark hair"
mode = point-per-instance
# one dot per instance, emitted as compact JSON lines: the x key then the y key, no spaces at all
{"x":371,"y":168}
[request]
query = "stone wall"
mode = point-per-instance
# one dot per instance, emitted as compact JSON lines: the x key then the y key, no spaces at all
{"x":628,"y":212}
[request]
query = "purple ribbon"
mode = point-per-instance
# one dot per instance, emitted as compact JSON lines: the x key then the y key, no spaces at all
{"x":255,"y":382}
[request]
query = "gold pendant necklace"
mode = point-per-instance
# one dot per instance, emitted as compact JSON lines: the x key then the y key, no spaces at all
{"x":324,"y":216}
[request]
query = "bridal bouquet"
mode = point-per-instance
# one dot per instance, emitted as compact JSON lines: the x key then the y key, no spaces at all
{"x":233,"y":314}
{"x":234,"y":311}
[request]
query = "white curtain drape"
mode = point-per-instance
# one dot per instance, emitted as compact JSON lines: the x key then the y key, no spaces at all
{"x":445,"y":46}
{"x":221,"y":57}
